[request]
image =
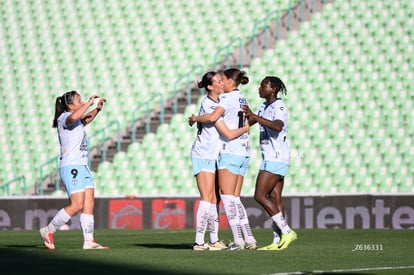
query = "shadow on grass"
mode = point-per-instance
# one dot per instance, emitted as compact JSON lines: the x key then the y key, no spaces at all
{"x":24,"y":260}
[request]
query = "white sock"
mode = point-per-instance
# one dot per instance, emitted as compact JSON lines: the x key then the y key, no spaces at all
{"x":203,"y":213}
{"x":276,"y":233}
{"x":213,"y":223}
{"x":60,"y":219}
{"x":244,"y":221}
{"x":232,"y":217}
{"x":281,"y":223}
{"x":87,"y":225}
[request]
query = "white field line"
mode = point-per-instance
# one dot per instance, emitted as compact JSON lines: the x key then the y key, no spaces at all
{"x":345,"y":270}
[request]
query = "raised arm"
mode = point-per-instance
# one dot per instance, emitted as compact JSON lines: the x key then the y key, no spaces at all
{"x":275,"y":125}
{"x":207,"y":118}
{"x":79,"y":113}
{"x":231,"y":133}
{"x":89,"y":117}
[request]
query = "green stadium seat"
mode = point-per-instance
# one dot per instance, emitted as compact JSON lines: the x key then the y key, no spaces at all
{"x":334,"y":66}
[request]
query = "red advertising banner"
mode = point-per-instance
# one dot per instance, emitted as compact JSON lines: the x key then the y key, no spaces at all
{"x":168,"y":214}
{"x":223,"y":223}
{"x":125,"y":214}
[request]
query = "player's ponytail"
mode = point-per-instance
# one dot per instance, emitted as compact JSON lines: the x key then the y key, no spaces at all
{"x":59,"y":109}
{"x":61,"y":105}
{"x":206,"y":80}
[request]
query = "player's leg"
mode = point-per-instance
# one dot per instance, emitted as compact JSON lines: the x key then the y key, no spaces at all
{"x":87,"y":221}
{"x":75,"y":191}
{"x":228,"y":173}
{"x":87,"y":218}
{"x":250,"y":241}
{"x":265,"y":183}
{"x":288,"y":235}
{"x":227,"y":182}
{"x":276,"y":196}
{"x":213,"y":222}
{"x":205,"y":184}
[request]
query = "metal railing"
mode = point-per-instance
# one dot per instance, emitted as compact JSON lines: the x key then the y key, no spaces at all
{"x":264,"y":25}
{"x":147,"y":115}
{"x":228,"y":49}
{"x":20,"y":180}
{"x":188,"y":77}
{"x":55,"y":161}
{"x":103,"y":133}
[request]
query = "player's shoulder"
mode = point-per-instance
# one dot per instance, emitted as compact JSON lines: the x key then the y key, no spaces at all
{"x":208,"y":101}
{"x":279,"y":103}
{"x":63,"y":116}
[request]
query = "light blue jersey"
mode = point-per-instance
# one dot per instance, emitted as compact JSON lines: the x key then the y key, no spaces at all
{"x":233,"y":117}
{"x":73,"y":142}
{"x":272,"y":143}
{"x":207,"y":143}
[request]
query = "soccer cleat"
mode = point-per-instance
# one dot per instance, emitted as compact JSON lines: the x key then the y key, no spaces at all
{"x":272,"y":246}
{"x":287,"y":239}
{"x":93,"y":245}
{"x":200,"y":247}
{"x":47,"y":237}
{"x":250,"y":246}
{"x":235,"y":246}
{"x":219,"y":245}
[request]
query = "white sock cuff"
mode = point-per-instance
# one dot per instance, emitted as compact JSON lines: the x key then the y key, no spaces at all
{"x":226,"y":198}
{"x":86,"y":217}
{"x":205,"y":204}
{"x":276,"y":216}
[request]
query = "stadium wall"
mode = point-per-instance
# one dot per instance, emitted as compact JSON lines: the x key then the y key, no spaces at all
{"x":349,"y":211}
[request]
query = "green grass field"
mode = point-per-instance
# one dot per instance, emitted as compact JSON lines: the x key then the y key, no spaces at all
{"x":169,"y":252}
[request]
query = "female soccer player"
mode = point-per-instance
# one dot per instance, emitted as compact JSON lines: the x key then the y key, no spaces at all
{"x":234,"y":157}
{"x":70,"y":119}
{"x":204,"y":155}
{"x":273,"y":119}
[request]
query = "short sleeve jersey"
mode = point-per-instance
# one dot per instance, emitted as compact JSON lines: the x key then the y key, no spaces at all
{"x":207,"y":143}
{"x":73,"y":142}
{"x":272,"y":143}
{"x":232,"y":104}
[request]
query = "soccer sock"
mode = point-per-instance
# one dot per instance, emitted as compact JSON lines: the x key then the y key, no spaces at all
{"x":276,"y":233}
{"x":232,"y":217}
{"x":60,"y":219}
{"x":213,"y":223}
{"x":87,"y":225}
{"x":203,"y":213}
{"x":244,"y":221}
{"x":281,"y":223}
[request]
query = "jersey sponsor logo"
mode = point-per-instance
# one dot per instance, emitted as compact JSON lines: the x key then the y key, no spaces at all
{"x":84,"y":144}
{"x":242,"y":101}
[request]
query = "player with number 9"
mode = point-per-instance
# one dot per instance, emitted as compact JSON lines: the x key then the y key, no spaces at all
{"x":71,"y":115}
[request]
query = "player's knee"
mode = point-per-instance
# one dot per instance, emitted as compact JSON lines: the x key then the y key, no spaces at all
{"x":76,"y":206}
{"x":259,"y":197}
